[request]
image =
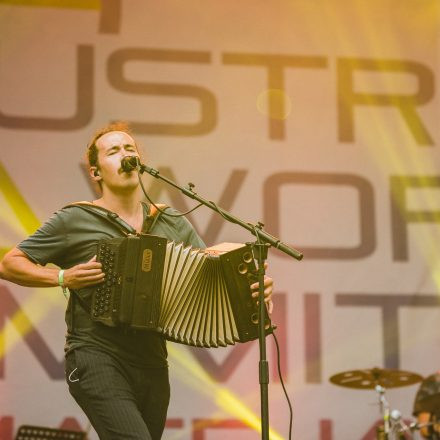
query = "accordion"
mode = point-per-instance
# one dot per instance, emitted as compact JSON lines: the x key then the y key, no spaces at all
{"x":191,"y":296}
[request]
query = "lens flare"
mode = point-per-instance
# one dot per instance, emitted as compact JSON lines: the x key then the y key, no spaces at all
{"x":274,"y":103}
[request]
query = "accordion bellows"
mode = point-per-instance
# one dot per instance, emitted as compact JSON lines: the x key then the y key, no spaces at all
{"x":192,"y":296}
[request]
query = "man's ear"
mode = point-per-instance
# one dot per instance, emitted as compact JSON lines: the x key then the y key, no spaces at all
{"x":94,"y":174}
{"x":95,"y":187}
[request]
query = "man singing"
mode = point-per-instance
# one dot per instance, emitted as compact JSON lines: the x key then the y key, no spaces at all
{"x":119,"y":377}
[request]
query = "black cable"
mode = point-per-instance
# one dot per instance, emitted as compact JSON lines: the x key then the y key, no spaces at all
{"x":216,"y":208}
{"x":282,"y":384}
{"x":159,"y":209}
{"x":220,"y":211}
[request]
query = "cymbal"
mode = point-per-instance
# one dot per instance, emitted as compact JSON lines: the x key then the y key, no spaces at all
{"x":430,"y":404}
{"x":368,"y":379}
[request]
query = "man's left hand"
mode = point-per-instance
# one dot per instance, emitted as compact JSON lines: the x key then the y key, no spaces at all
{"x":268,"y":290}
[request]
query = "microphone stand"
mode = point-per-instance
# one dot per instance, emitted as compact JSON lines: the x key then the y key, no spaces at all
{"x":260,"y":249}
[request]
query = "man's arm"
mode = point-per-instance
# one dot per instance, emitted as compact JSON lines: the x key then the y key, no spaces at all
{"x":19,"y":269}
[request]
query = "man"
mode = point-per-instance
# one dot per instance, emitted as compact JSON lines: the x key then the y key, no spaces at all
{"x":427,"y":406}
{"x":118,"y":377}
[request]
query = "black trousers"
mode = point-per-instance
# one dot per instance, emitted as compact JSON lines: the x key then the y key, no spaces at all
{"x":121,"y":401}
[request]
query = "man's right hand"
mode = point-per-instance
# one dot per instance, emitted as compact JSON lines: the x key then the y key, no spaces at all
{"x":84,"y":274}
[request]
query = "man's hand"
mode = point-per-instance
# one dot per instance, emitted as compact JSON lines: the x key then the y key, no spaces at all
{"x":83,"y":275}
{"x":268,"y":290}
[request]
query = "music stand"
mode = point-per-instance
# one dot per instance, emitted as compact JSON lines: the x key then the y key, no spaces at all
{"x":28,"y":432}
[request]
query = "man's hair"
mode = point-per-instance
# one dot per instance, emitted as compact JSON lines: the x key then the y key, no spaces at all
{"x":92,"y":149}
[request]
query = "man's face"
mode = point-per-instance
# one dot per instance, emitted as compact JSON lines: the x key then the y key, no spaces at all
{"x":112,"y":148}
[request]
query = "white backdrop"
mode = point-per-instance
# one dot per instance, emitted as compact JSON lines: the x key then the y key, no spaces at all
{"x":318,"y":118}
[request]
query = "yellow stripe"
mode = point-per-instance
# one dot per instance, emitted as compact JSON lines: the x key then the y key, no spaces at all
{"x":16,"y":201}
{"x":41,"y":302}
{"x":30,"y":222}
{"x":72,"y":4}
{"x":193,"y":375}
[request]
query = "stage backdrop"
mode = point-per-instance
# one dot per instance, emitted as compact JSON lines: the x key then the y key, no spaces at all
{"x":318,"y":118}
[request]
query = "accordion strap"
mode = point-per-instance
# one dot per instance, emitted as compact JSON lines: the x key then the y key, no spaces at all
{"x":152,"y":217}
{"x":112,"y":217}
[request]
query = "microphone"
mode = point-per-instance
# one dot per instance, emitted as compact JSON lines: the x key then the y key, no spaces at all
{"x":129,"y":163}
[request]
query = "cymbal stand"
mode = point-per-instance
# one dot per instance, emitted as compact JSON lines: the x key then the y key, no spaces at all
{"x":399,"y":429}
{"x":384,"y":409}
{"x":393,"y":425}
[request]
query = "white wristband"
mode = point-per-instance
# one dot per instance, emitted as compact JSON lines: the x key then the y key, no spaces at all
{"x":61,"y":280}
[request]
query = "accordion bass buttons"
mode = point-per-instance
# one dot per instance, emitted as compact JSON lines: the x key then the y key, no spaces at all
{"x":103,"y":294}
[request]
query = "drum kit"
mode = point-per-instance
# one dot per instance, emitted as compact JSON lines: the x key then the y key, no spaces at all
{"x":393,"y":426}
